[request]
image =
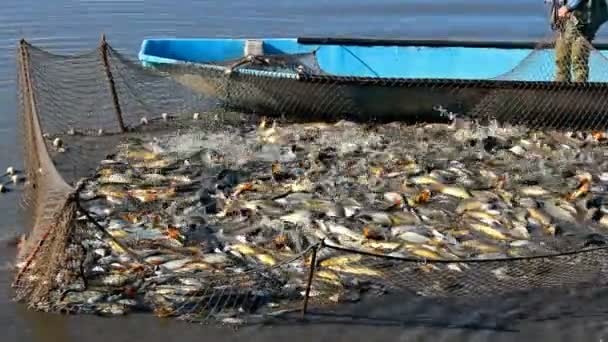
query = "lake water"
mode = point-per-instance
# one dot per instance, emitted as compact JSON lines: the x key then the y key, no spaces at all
{"x":65,"y":26}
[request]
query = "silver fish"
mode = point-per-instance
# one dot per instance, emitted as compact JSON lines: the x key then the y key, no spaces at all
{"x":160,"y":259}
{"x":216,"y":258}
{"x":176,"y":264}
{"x":111,"y":309}
{"x":140,"y":233}
{"x":471,"y":204}
{"x":299,"y":217}
{"x":413,"y":238}
{"x":115,"y":279}
{"x":338,"y":229}
{"x":558,"y":212}
{"x":88,"y":297}
{"x":295,"y":199}
{"x":533,"y":190}
{"x":519,"y":231}
{"x":180,"y":290}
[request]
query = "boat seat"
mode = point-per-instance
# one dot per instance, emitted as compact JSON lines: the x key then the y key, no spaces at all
{"x":253,"y":47}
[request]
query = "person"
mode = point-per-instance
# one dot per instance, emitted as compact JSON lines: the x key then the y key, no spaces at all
{"x":577,"y":22}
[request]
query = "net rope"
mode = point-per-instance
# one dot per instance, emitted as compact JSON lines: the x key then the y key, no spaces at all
{"x":69,"y":125}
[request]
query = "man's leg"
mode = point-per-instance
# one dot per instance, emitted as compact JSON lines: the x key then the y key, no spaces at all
{"x":581,"y":52}
{"x":563,"y":47}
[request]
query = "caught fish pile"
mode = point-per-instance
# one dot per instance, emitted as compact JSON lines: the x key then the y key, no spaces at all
{"x":205,"y":206}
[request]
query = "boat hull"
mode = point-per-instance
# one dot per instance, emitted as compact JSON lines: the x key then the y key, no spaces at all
{"x":372,"y":80}
{"x":311,"y":97}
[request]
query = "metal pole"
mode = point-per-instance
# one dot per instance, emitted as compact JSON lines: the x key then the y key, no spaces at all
{"x":106,"y":65}
{"x":311,"y":271}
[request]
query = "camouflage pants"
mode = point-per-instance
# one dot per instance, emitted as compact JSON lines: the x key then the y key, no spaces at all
{"x":572,"y":51}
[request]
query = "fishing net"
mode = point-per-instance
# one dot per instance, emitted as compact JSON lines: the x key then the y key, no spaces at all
{"x":75,"y":111}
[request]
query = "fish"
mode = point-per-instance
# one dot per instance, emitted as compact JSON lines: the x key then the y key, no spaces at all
{"x":296,"y":199}
{"x":519,"y":231}
{"x":318,"y":205}
{"x":582,"y":190}
{"x":351,"y":207}
{"x":557,"y":212}
{"x":403,"y":218}
{"x":373,"y":232}
{"x":196,"y":266}
{"x":139,"y":233}
{"x":420,"y":198}
{"x":112,"y":191}
{"x":528,"y":202}
{"x":424,"y":180}
{"x":340,"y":260}
{"x":247,"y":250}
{"x":394,"y":199}
{"x":384,"y":245}
{"x":154,"y":178}
{"x":540,"y":216}
{"x":191,"y":281}
{"x":424,"y":253}
{"x":487,"y":256}
{"x":480,"y":246}
{"x":302,"y":185}
{"x":603,"y":221}
{"x":85,"y":297}
{"x":533,"y":190}
{"x":470,"y":204}
{"x":176,"y":264}
{"x":485,"y":216}
{"x":488,"y":231}
{"x":243,"y":249}
{"x":111,"y":309}
{"x":357,"y":270}
{"x":116,"y":247}
{"x":550,"y":229}
{"x":299,"y":217}
{"x":338,"y":229}
{"x":378,"y":217}
{"x":215,"y":259}
{"x":266,"y":207}
{"x":143,"y":196}
{"x":119,"y":233}
{"x":180,"y":290}
{"x":153,"y":164}
{"x":266,"y":259}
{"x":337,"y":210}
{"x":455,"y":191}
{"x":141,"y":155}
{"x":181,"y":179}
{"x":413,"y":237}
{"x":113,"y":279}
{"x":115,"y":179}
{"x":454,"y":267}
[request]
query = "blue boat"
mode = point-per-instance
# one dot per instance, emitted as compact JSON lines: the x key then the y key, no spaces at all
{"x":374,"y":79}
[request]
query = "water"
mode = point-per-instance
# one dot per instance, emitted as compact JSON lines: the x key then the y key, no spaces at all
{"x":65,"y":26}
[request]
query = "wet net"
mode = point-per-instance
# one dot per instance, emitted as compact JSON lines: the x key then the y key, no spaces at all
{"x":94,"y":124}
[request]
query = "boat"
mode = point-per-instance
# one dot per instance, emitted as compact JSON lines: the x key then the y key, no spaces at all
{"x":384,"y":80}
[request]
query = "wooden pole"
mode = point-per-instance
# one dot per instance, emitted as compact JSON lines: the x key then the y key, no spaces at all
{"x":311,"y":272}
{"x":106,"y":65}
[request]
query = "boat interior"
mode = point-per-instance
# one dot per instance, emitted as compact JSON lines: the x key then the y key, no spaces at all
{"x":373,"y":58}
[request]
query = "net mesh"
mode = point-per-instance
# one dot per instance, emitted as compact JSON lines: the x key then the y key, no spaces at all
{"x":78,"y":113}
